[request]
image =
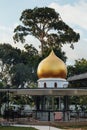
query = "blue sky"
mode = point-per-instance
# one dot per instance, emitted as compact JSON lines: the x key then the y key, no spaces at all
{"x":73,"y":12}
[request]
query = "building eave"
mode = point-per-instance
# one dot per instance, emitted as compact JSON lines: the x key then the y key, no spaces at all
{"x":48,"y":91}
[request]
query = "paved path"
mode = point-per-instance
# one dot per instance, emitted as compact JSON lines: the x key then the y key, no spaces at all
{"x":40,"y":127}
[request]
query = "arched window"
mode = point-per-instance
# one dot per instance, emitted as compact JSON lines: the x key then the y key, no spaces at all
{"x":45,"y":85}
{"x":55,"y":85}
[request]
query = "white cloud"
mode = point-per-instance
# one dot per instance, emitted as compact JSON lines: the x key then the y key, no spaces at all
{"x":85,"y":39}
{"x":3,"y":28}
{"x":6,"y":36}
{"x":79,"y":51}
{"x":15,"y":25}
{"x":73,"y":14}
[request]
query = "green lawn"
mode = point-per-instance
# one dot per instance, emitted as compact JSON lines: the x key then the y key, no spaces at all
{"x":74,"y":127}
{"x":16,"y":128}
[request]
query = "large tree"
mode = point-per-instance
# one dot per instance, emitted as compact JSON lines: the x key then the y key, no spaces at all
{"x":17,"y":69}
{"x":46,"y":25}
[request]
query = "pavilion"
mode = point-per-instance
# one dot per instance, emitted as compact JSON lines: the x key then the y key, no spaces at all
{"x":52,"y":83}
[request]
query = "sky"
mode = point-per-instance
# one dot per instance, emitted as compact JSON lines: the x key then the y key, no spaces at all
{"x":72,"y":12}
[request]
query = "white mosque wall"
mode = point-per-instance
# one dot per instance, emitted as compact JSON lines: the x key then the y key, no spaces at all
{"x":52,"y":83}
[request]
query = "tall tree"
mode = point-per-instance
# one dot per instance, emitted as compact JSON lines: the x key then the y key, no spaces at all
{"x":47,"y":26}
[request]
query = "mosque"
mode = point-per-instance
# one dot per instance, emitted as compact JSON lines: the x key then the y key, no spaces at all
{"x":52,"y":73}
{"x":51,"y":96}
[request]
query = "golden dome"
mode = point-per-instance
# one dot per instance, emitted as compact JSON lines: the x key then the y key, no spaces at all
{"x":52,"y":67}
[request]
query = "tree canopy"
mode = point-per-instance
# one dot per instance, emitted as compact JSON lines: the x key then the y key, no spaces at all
{"x":79,"y":67}
{"x":17,"y":66}
{"x":46,"y":25}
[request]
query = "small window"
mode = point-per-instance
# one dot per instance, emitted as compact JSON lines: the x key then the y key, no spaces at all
{"x":45,"y":85}
{"x":55,"y":85}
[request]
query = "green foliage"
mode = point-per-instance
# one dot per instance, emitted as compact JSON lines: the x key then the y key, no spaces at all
{"x":79,"y":67}
{"x":83,"y":100}
{"x":16,"y":128}
{"x":22,"y":100}
{"x":1,"y":84}
{"x":20,"y":74}
{"x":8,"y":54}
{"x":47,"y":26}
{"x":18,"y":67}
{"x":79,"y":100}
